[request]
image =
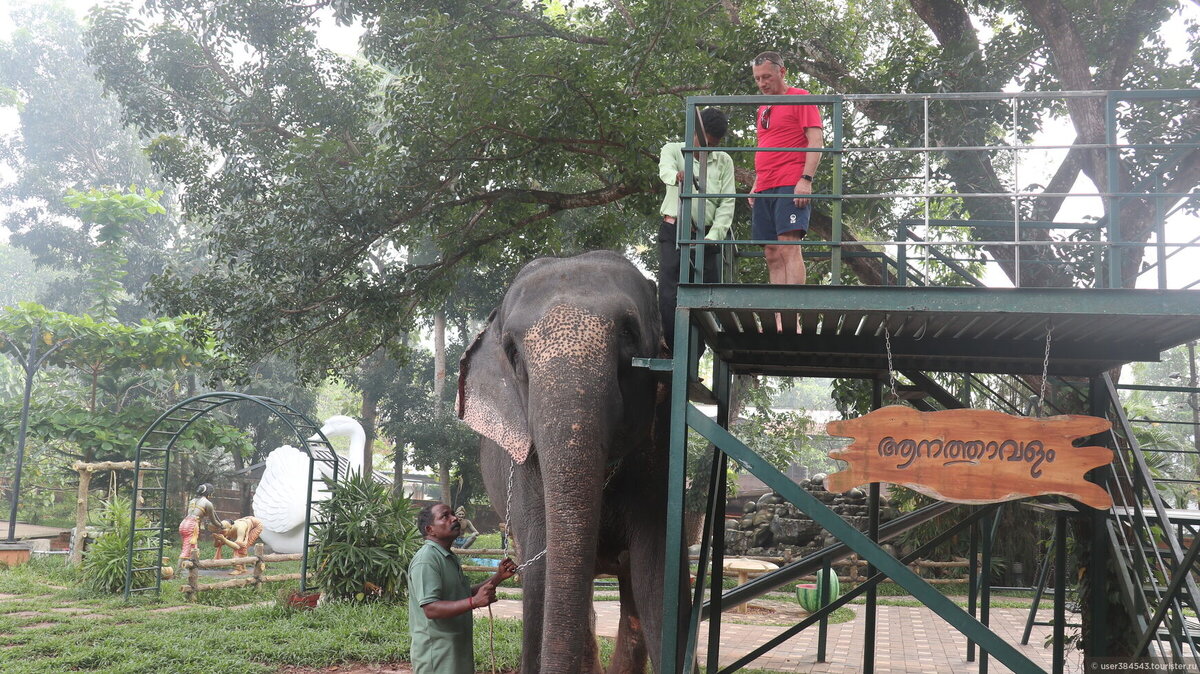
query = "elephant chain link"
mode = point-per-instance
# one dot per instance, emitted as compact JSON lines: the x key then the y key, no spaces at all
{"x":508,"y":524}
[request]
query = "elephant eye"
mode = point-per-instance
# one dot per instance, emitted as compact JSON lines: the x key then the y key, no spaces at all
{"x":514,"y":357}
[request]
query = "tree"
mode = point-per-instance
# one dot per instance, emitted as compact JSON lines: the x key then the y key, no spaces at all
{"x":482,"y":128}
{"x":70,"y":137}
{"x":117,"y":388}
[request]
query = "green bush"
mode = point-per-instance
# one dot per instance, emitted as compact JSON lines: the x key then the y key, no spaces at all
{"x":104,"y":563}
{"x":366,"y":543}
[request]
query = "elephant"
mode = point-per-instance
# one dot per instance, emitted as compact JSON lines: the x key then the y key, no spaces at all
{"x":570,"y":442}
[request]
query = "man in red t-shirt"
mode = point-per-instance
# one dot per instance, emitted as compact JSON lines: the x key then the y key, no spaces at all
{"x":781,"y":219}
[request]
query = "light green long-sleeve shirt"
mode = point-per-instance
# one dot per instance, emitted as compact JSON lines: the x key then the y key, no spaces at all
{"x":718,"y":212}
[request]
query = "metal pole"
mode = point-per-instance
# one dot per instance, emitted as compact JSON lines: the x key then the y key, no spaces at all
{"x":985,"y":585}
{"x":1060,"y":590}
{"x":30,"y":365}
{"x":972,"y":584}
{"x":823,"y":593}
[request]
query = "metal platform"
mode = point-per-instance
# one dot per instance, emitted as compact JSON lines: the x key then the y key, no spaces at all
{"x":839,"y":330}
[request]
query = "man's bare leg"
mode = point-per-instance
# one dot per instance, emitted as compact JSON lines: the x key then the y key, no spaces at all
{"x":792,"y":263}
{"x":776,"y":273}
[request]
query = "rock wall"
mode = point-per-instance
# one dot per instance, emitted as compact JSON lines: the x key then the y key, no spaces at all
{"x":772,"y":527}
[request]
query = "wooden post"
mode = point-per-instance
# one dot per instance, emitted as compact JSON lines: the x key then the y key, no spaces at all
{"x":81,"y":512}
{"x":85,"y":471}
{"x":193,"y":585}
{"x":260,"y":565}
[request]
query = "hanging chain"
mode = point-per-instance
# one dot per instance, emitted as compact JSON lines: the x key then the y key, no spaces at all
{"x":887,"y":341}
{"x":508,"y":524}
{"x":1045,"y":369}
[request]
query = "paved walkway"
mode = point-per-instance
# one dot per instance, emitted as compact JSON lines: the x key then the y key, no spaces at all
{"x":909,"y":640}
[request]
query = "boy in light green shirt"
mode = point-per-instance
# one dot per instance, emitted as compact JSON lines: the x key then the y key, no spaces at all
{"x":718,"y":212}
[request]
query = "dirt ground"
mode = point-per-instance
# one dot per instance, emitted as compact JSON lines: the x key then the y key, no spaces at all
{"x":358,"y":668}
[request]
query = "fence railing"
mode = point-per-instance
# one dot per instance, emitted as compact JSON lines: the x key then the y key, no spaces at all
{"x":966,"y":204}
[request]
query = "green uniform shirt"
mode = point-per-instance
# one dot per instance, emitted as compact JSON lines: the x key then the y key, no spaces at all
{"x":718,"y":213}
{"x":438,"y":646}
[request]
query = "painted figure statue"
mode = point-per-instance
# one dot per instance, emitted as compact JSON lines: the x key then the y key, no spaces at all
{"x":199,"y":511}
{"x":239,"y":535}
{"x":468,"y":532}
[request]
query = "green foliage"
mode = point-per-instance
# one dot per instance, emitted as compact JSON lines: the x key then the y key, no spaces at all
{"x":474,"y":135}
{"x":111,"y":381}
{"x":71,"y":136}
{"x":367,"y":541}
{"x":104,"y":561}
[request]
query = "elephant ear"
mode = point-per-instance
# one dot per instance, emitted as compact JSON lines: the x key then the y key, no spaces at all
{"x":488,"y":398}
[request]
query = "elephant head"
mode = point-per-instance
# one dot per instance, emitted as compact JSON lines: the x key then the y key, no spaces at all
{"x":551,"y":386}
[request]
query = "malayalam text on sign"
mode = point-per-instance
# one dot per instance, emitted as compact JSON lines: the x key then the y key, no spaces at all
{"x":972,"y":456}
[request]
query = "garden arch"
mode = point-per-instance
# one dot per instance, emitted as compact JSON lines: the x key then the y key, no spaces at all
{"x":152,"y":466}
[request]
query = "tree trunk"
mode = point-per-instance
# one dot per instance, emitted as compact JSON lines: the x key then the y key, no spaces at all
{"x":444,"y":478}
{"x":398,"y":469}
{"x":439,"y":389}
{"x":370,"y":414}
{"x":81,"y":512}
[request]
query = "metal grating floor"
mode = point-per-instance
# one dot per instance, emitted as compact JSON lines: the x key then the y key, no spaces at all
{"x":840,"y":330}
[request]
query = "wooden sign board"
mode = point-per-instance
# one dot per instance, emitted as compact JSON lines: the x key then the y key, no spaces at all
{"x":971,"y":456}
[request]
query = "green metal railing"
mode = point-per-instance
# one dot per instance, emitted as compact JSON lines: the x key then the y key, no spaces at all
{"x":1105,"y":241}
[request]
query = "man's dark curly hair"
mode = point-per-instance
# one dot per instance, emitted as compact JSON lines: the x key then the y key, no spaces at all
{"x":715,"y":123}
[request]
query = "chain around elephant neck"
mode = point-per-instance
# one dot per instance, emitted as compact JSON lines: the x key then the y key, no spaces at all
{"x":508,"y":523}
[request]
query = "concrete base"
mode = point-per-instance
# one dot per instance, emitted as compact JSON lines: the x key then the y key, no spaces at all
{"x":14,"y":554}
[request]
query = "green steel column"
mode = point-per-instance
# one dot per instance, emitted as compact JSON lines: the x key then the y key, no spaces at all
{"x":1160,"y":230}
{"x":823,"y":625}
{"x":673,"y":624}
{"x":972,"y":583}
{"x":985,"y":585}
{"x":1097,"y":573}
{"x":683,"y":223}
{"x":873,"y":593}
{"x":723,"y":387}
{"x":1060,"y":590}
{"x":835,"y":209}
{"x":1114,"y":203}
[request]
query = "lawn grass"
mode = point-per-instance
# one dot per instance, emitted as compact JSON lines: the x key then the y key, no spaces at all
{"x":113,"y":635}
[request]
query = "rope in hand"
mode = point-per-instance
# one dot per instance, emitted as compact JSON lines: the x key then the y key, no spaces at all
{"x":492,"y":637}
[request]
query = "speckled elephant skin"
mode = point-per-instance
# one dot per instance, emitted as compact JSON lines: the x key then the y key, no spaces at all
{"x":550,"y":386}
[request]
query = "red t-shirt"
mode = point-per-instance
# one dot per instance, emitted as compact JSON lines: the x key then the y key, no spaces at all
{"x":786,"y":128}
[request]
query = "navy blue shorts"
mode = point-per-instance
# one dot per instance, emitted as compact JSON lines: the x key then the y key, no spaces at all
{"x":772,"y":217}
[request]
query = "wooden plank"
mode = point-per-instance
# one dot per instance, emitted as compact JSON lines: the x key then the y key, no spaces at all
{"x":971,"y":456}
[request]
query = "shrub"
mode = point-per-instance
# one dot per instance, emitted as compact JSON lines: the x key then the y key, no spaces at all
{"x":366,"y":542}
{"x":104,"y":563}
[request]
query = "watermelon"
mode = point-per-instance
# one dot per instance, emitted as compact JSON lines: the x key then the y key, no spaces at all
{"x":809,"y":594}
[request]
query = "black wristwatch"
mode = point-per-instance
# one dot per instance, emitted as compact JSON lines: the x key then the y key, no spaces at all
{"x":807,"y":177}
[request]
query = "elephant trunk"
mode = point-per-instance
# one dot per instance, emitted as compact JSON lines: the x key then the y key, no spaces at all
{"x":575,"y":408}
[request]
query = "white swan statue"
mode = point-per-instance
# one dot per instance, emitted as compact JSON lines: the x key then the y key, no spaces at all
{"x":279,"y":500}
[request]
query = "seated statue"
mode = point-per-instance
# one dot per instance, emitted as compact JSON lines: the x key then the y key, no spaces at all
{"x":239,"y":534}
{"x":199,"y":510}
{"x":468,"y":533}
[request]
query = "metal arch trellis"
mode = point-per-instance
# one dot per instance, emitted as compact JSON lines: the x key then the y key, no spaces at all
{"x":150,"y":481}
